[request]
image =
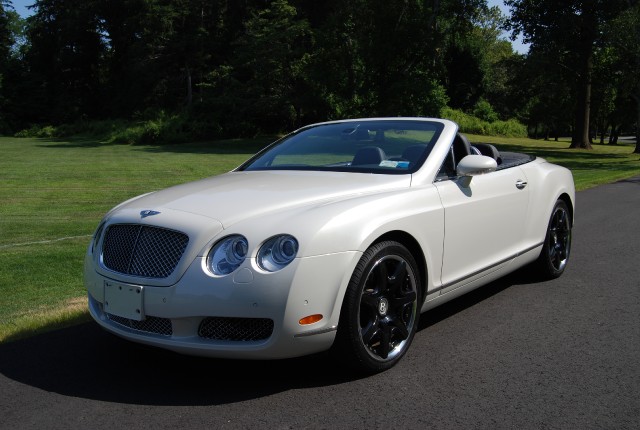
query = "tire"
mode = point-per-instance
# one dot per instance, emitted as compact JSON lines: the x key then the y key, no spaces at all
{"x":381,"y":308}
{"x":557,"y":243}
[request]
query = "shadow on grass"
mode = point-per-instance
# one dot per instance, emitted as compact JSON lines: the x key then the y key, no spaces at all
{"x":70,"y":143}
{"x":228,"y":146}
{"x":570,"y":158}
{"x":60,"y":323}
{"x":84,"y":361}
{"x":635,"y":180}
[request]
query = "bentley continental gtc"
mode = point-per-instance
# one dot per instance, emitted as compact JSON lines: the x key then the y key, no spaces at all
{"x":335,"y":237}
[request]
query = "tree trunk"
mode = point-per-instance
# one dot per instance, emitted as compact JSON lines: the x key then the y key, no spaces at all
{"x":189,"y":88}
{"x":615,"y":132}
{"x":637,"y":99}
{"x":612,"y":132}
{"x":603,"y":131}
{"x":581,"y":131}
{"x":581,"y":138}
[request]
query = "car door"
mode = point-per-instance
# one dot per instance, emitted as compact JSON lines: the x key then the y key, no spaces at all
{"x":484,"y":223}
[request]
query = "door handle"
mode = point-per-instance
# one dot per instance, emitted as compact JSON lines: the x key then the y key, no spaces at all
{"x":520,"y":184}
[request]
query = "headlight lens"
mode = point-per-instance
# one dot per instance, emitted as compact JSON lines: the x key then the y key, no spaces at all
{"x":227,"y":255}
{"x":277,"y":252}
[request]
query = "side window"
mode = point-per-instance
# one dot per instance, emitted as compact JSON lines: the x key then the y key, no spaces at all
{"x":447,"y":170}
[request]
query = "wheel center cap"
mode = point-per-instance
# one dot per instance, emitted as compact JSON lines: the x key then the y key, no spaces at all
{"x":383,"y":306}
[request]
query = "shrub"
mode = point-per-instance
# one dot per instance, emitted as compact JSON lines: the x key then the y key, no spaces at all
{"x":509,"y":128}
{"x":471,"y":124}
{"x":484,"y":111}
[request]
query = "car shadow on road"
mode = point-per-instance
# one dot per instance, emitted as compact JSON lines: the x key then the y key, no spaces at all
{"x":86,"y":362}
{"x":524,"y":276}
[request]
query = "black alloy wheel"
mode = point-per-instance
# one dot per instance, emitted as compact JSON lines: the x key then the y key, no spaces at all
{"x":380,"y":311}
{"x":557,"y":244}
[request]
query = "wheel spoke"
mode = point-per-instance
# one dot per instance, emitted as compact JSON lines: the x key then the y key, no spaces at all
{"x":370,"y":301}
{"x":401,"y":328}
{"x":405,"y":299}
{"x":369,"y":332}
{"x":382,"y":276}
{"x":556,"y":258}
{"x":562,"y":221}
{"x":385,"y":341}
{"x":398,"y":275}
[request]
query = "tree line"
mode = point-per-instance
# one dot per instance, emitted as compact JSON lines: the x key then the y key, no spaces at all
{"x":214,"y":68}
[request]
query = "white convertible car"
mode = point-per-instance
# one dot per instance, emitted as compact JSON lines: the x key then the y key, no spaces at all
{"x":336,"y":236}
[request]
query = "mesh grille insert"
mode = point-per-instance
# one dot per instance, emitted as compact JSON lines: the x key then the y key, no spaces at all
{"x":140,"y":250}
{"x":236,"y":329}
{"x":149,"y":325}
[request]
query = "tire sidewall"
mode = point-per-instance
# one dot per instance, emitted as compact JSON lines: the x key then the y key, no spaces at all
{"x":545,"y":259}
{"x":349,"y":338}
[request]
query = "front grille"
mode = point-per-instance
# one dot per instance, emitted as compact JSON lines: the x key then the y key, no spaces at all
{"x":236,"y":329}
{"x":149,"y":325}
{"x":141,"y":250}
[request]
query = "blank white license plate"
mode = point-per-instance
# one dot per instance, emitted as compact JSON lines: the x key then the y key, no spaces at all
{"x":124,"y":300}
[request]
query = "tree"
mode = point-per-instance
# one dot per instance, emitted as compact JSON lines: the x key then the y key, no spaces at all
{"x":10,"y":29}
{"x":271,"y":57}
{"x":65,"y":56}
{"x":261,"y":86}
{"x":394,"y":57}
{"x":245,"y":66}
{"x":568,"y":30}
{"x":500,"y":65}
{"x":624,"y":35}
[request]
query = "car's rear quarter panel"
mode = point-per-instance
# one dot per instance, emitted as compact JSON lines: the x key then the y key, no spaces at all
{"x":548,"y":182}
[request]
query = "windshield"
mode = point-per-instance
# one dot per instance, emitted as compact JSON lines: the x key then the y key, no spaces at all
{"x":373,"y":146}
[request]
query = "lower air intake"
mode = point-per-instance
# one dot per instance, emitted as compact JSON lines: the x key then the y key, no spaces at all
{"x":153,"y":325}
{"x":236,"y":329}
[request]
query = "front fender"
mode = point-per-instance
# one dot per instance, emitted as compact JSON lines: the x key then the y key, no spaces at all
{"x":351,"y":225}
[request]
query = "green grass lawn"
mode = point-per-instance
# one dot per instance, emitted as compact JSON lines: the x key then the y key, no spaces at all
{"x":53,"y":193}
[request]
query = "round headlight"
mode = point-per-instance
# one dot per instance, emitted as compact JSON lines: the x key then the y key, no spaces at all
{"x":227,"y":255}
{"x":277,"y":252}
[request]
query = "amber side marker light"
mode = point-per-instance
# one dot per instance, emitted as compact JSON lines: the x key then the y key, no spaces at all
{"x":310,"y":319}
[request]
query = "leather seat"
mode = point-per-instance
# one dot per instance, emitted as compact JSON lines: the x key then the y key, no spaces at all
{"x":368,"y":155}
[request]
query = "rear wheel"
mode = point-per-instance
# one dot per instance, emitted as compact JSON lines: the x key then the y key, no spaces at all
{"x":557,"y":243}
{"x":380,"y":311}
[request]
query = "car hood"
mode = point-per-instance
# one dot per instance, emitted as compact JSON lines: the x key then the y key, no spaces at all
{"x":235,"y":196}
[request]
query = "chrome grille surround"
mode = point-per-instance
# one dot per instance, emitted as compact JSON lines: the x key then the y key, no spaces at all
{"x":155,"y":325}
{"x":142,"y":250}
{"x":236,"y":329}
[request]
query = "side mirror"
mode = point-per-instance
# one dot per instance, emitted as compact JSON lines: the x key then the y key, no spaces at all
{"x":473,"y":165}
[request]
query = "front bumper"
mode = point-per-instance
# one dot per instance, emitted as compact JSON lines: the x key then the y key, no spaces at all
{"x":249,"y":314}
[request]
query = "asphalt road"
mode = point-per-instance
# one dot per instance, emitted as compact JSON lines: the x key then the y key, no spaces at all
{"x":514,"y":354}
